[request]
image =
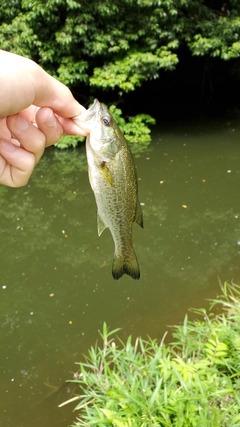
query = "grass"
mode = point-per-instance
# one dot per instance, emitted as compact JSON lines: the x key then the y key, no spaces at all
{"x":192,"y":382}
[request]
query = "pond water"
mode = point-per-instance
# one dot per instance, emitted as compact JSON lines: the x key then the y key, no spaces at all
{"x":56,"y":287}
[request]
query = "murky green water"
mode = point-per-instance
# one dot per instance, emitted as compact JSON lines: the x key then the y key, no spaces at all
{"x":56,"y":287}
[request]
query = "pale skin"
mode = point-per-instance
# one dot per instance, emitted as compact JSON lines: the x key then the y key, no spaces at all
{"x":35,"y":110}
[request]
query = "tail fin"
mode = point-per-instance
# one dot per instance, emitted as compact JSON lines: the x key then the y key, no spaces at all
{"x":128,"y":265}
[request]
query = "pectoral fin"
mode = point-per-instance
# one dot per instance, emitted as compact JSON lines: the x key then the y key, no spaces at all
{"x":101,"y":225}
{"x":139,"y":215}
{"x":106,"y":173}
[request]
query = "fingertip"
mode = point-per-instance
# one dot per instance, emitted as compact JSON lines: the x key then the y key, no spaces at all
{"x":7,"y":146}
{"x":46,"y":116}
{"x":17,"y":156}
{"x":49,"y":124}
{"x":16,"y":122}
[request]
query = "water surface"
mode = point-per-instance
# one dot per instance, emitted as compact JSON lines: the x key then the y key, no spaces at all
{"x":56,"y":288}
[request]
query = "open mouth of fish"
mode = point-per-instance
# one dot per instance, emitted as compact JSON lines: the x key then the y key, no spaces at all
{"x":88,"y":114}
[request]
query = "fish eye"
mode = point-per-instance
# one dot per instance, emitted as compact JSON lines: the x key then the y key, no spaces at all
{"x":106,"y":120}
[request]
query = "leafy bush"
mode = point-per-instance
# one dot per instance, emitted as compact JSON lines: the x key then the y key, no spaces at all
{"x":192,"y":382}
{"x":69,"y":141}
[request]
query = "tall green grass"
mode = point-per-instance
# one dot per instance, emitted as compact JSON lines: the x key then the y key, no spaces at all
{"x":192,"y":382}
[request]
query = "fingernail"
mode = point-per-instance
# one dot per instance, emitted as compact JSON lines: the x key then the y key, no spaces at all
{"x":7,"y":146}
{"x":22,"y":123}
{"x":51,"y":121}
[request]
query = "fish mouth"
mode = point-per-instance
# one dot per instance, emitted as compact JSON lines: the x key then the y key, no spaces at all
{"x":88,"y":114}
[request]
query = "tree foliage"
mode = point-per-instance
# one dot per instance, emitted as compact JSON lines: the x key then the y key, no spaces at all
{"x":117,"y":44}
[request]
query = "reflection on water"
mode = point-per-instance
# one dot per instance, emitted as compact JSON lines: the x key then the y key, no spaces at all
{"x":56,"y":287}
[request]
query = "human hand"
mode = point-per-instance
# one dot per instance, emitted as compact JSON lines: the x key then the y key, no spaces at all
{"x":35,"y":110}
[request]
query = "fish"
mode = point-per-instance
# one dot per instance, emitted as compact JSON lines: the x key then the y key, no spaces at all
{"x":113,"y":179}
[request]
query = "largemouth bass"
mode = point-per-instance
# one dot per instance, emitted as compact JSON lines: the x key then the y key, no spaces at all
{"x":112,"y":176}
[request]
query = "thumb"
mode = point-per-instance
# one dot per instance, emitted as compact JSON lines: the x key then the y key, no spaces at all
{"x":25,"y":83}
{"x":49,"y":92}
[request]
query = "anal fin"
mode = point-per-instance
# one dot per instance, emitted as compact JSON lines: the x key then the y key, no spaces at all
{"x":138,"y":215}
{"x":101,"y":225}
